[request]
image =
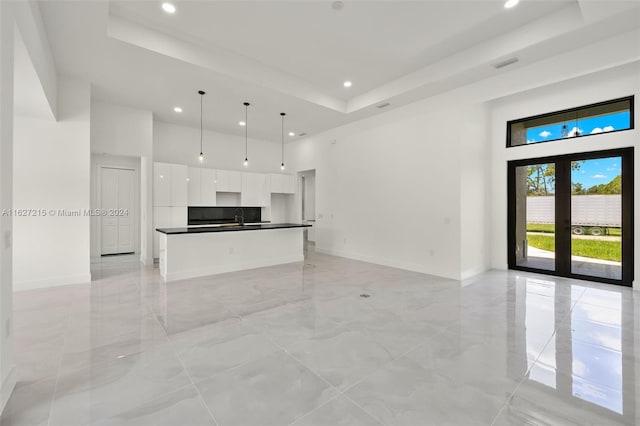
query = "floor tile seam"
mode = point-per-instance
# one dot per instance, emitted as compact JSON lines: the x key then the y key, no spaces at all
{"x":155,"y":344}
{"x":193,"y":383}
{"x":313,"y":410}
{"x":523,"y":378}
{"x":315,"y":373}
{"x":379,"y":421}
{"x":506,"y":403}
{"x":112,"y":360}
{"x":232,"y":368}
{"x":405,"y":354}
{"x":58,"y":375}
{"x":283,"y":349}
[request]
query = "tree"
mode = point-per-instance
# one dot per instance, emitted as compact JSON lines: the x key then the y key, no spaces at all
{"x":577,"y":189}
{"x":612,"y":188}
{"x":541,"y":178}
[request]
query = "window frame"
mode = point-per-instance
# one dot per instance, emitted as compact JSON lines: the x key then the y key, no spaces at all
{"x":630,"y":99}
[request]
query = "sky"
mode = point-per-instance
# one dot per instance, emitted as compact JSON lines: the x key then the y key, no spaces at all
{"x":586,"y":126}
{"x":595,"y":172}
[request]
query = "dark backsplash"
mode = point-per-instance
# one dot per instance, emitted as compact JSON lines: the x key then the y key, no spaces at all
{"x":215,"y":215}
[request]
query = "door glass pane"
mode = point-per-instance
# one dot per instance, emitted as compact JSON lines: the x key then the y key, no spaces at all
{"x":596,"y":217}
{"x":535,"y":228}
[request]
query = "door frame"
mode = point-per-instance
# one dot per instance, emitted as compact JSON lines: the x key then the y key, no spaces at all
{"x":136,"y":202}
{"x":563,"y":211}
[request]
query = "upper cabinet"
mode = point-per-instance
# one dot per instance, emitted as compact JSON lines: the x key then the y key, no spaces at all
{"x":255,"y":190}
{"x":208,"y":187}
{"x":179,"y":176}
{"x":282,"y":184}
{"x":169,"y":184}
{"x":176,"y":185}
{"x":228,"y":181}
{"x":194,"y":187}
{"x":161,"y":184}
{"x":201,"y":187}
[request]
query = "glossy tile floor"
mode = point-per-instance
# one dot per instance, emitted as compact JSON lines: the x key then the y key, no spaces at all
{"x":298,"y":345}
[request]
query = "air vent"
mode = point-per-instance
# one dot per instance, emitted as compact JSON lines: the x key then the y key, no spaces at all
{"x":505,"y":63}
{"x":302,"y":134}
{"x":384,"y":105}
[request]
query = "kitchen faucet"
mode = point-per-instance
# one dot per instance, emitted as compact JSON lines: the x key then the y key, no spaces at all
{"x":240,"y":218}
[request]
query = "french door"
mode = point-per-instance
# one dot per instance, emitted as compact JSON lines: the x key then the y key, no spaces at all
{"x":572,"y":215}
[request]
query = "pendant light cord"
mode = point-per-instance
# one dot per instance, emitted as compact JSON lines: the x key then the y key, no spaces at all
{"x":246,"y":131}
{"x":282,"y":114}
{"x":201,"y":96}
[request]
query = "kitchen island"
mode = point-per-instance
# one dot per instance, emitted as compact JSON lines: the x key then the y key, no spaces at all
{"x":191,"y":252}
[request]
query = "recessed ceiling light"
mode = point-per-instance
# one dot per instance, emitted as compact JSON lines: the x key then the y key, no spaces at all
{"x":347,"y":84}
{"x":241,"y":123}
{"x":511,"y":3}
{"x":291,"y":134}
{"x":177,"y":109}
{"x":169,"y":8}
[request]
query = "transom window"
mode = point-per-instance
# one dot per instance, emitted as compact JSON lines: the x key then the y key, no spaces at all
{"x":604,"y":117}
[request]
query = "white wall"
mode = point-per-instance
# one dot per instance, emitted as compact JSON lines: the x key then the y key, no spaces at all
{"x":602,"y":86}
{"x":474,"y":191}
{"x":310,"y":196}
{"x":179,"y":144}
{"x":123,"y":131}
{"x":7,"y":369}
{"x":116,"y":161}
{"x":52,"y":171}
{"x":388,"y":188}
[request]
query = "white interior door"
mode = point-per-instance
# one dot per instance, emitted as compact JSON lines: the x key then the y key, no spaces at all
{"x":117,"y":197}
{"x":109,"y":200}
{"x":126,"y":200}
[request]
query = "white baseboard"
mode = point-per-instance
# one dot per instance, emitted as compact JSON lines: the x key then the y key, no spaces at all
{"x":471,"y":273}
{"x":386,"y":262}
{"x":7,"y":388}
{"x":146,"y":261}
{"x":233,"y":267}
{"x":52,"y":282}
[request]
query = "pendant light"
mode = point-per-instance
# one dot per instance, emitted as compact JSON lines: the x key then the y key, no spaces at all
{"x":246,"y":130}
{"x":201,"y":157}
{"x":282,"y":114}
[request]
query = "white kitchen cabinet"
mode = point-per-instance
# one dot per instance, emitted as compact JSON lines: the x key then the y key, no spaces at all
{"x":222,"y":180}
{"x":161,"y":219}
{"x":161,"y":184}
{"x":235,"y":181}
{"x":202,"y":187}
{"x":282,"y":184}
{"x":194,"y":187}
{"x":208,"y":187}
{"x":179,"y":175}
{"x":255,"y":190}
{"x":288,"y":184}
{"x":167,"y":217}
{"x":178,"y":217}
{"x":228,"y":181}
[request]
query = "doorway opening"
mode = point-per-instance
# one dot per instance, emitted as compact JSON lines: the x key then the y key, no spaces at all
{"x":572,"y":215}
{"x":307,"y":185}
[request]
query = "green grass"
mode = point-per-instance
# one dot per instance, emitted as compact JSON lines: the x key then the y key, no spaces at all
{"x":551,"y":229}
{"x":541,"y":227}
{"x":595,"y":249}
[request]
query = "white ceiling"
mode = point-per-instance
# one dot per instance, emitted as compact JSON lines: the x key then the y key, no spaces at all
{"x":293,"y":56}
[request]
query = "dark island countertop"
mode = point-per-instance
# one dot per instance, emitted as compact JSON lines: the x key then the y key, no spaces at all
{"x":234,"y":228}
